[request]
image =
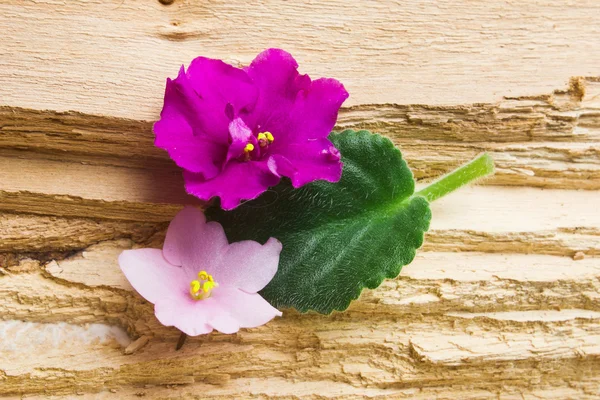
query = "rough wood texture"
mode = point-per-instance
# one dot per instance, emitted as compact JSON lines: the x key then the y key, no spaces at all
{"x":110,"y":54}
{"x":503,"y":300}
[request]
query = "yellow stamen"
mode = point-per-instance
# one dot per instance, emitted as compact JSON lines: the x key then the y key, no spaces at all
{"x":202,"y":288}
{"x":208,"y":286}
{"x":262,"y":140}
{"x":265,"y":138}
{"x":249,"y":147}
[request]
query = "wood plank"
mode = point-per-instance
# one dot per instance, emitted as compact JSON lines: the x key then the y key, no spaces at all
{"x":112,"y":57}
{"x":403,"y":352}
{"x":449,"y":317}
{"x":551,"y":142}
{"x":571,"y":115}
{"x":436,"y":282}
{"x":468,"y":332}
{"x":556,"y":222}
{"x":394,"y":368}
{"x":257,"y":388}
{"x":23,"y":233}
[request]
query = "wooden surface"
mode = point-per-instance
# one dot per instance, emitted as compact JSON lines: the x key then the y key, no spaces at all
{"x":109,"y":56}
{"x":497,"y":304}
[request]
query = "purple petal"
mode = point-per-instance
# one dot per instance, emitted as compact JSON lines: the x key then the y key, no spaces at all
{"x":316,"y":110}
{"x":194,"y":123}
{"x":175,"y":133}
{"x":243,"y":309}
{"x":194,"y":244}
{"x":238,"y":181}
{"x":220,"y":86}
{"x":150,"y":274}
{"x":248,"y":265}
{"x":240,"y":135}
{"x":289,"y":105}
{"x":275,"y":73}
{"x":307,"y":162}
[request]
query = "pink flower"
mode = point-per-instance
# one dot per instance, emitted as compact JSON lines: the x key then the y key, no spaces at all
{"x":199,"y":282}
{"x":236,"y":132}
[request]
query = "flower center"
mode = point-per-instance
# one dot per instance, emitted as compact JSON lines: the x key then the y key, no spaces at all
{"x":264,"y":139}
{"x":202,"y":288}
{"x":247,"y":150}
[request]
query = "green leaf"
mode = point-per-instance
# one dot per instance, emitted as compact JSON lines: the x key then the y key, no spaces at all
{"x":340,"y":238}
{"x":337,"y":238}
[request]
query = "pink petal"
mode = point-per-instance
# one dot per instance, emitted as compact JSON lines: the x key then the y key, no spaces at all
{"x":150,"y":274}
{"x":247,"y":310}
{"x":224,"y":323}
{"x":193,"y":243}
{"x":248,"y":265}
{"x":238,"y":181}
{"x":194,"y":317}
{"x":307,"y":162}
{"x":188,"y":315}
{"x":227,"y":311}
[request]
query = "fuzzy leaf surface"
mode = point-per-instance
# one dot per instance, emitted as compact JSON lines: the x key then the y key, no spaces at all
{"x":338,"y":238}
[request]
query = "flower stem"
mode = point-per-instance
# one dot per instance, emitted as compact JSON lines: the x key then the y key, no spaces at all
{"x":475,"y":169}
{"x":181,"y":341}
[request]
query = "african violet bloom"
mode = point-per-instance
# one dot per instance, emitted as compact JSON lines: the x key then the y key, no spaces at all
{"x":236,"y":132}
{"x":199,"y":282}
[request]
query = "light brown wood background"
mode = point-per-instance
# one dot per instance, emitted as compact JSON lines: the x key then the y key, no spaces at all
{"x":498,"y":303}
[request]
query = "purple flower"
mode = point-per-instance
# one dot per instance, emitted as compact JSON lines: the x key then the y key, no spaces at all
{"x":236,"y":132}
{"x":199,"y":282}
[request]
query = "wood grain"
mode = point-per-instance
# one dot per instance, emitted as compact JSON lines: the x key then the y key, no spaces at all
{"x":112,"y":56}
{"x":496,"y":305}
{"x":550,"y":141}
{"x":439,"y":322}
{"x":494,"y":302}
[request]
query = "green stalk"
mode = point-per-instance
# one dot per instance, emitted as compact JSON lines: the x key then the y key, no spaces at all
{"x":477,"y":168}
